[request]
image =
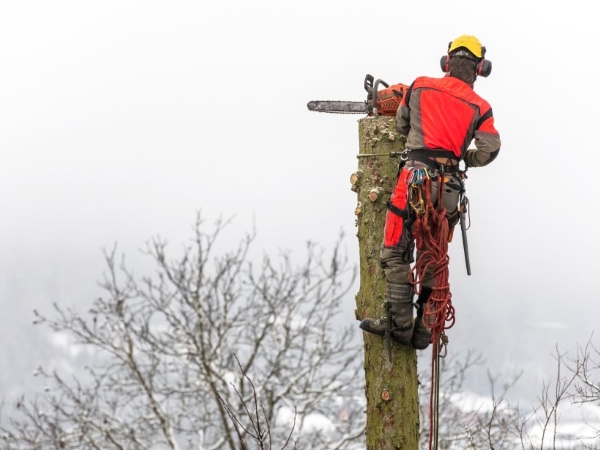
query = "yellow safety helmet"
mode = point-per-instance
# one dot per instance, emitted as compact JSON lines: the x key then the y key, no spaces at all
{"x":471,"y":43}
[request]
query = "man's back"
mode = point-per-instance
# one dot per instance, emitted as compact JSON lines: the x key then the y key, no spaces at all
{"x":444,"y":114}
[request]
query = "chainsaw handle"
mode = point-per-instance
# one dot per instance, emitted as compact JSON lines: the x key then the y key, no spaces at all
{"x":375,"y":89}
{"x":369,"y":84}
{"x":369,"y":88}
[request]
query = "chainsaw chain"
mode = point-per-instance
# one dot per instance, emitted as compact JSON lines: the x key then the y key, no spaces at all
{"x":336,"y":111}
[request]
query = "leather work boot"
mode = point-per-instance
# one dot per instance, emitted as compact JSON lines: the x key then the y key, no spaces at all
{"x":421,"y":336}
{"x":399,"y":301}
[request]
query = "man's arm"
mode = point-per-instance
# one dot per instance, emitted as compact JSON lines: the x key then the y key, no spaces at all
{"x":403,"y":113}
{"x":487,"y":143}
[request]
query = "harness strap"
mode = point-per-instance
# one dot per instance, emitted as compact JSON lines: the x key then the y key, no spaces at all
{"x":399,"y":212}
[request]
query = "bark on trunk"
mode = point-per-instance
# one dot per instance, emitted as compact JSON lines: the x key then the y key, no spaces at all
{"x":391,"y":386}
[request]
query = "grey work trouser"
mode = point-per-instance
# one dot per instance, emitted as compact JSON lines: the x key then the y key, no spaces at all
{"x":396,"y":261}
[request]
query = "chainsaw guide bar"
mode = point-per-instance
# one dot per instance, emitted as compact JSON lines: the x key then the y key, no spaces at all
{"x":337,"y":107}
{"x":384,"y":102}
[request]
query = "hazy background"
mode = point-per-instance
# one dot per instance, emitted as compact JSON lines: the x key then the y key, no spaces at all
{"x":119,"y":120}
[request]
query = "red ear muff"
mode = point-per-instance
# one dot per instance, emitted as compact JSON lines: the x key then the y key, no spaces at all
{"x":484,"y":68}
{"x":445,"y":63}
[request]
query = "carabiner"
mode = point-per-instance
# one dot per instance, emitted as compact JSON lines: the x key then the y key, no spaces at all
{"x":444,"y":346}
{"x":418,"y":206}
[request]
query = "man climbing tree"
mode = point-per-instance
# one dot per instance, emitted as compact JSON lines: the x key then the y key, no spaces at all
{"x":430,"y":126}
{"x":439,"y":117}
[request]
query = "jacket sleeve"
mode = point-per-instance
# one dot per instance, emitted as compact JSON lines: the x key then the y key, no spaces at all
{"x":403,"y":113}
{"x":487,"y":143}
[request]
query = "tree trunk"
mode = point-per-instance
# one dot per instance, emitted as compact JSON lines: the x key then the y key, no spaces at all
{"x":391,"y":384}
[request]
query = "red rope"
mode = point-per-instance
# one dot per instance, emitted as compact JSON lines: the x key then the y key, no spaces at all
{"x":431,"y":233}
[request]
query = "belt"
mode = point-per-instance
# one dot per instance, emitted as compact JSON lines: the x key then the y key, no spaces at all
{"x":438,"y":158}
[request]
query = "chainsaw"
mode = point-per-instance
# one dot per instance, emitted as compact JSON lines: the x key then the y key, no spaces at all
{"x":380,"y":102}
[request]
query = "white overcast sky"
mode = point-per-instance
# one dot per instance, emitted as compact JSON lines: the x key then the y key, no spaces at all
{"x":119,"y":120}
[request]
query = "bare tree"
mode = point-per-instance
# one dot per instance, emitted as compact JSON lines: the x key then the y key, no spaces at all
{"x":260,"y":430}
{"x":179,"y":357}
{"x":498,"y":422}
{"x":586,"y":367}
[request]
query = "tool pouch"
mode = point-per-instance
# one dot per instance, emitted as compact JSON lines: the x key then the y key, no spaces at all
{"x":397,"y":212}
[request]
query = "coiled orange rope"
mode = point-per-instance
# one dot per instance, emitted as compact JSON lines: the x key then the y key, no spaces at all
{"x":431,"y":233}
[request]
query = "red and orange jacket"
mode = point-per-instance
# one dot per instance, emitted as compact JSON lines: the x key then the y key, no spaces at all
{"x":443,"y":116}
